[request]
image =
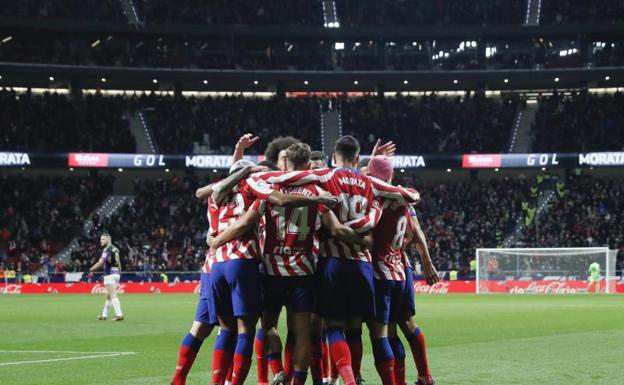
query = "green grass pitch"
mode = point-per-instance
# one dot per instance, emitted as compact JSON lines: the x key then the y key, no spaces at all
{"x":471,"y":339}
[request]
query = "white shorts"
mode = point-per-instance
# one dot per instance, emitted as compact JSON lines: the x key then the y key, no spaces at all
{"x":112,"y":279}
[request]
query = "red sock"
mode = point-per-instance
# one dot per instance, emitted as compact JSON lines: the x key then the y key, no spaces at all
{"x":399,"y":371}
{"x":419,"y":351}
{"x":386,"y":372}
{"x":262,"y":365}
{"x":332,"y":365}
{"x":275,"y":362}
{"x":354,"y":339}
{"x":399,"y":360}
{"x":315,"y":360}
{"x":242,"y":358}
{"x":289,"y":351}
{"x":340,"y":355}
{"x":325,"y":366}
{"x":228,"y":378}
{"x":222,"y":356}
{"x":186,"y":356}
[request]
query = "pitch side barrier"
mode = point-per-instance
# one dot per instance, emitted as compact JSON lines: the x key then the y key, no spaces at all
{"x":220,"y":162}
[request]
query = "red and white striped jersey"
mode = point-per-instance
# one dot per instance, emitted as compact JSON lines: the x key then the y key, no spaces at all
{"x":250,"y":194}
{"x":207,"y":262}
{"x":356,"y":206}
{"x":291,"y":244}
{"x":389,"y":237}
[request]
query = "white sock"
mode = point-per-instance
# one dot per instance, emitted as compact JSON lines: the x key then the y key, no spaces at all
{"x":107,"y":306}
{"x":117,"y":306}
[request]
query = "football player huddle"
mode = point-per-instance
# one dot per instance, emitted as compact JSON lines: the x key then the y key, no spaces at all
{"x":325,"y":243}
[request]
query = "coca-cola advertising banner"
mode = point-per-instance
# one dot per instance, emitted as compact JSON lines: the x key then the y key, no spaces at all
{"x":544,"y":287}
{"x":445,"y":287}
{"x":420,"y":287}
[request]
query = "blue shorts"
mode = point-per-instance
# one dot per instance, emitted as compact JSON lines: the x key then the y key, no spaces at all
{"x":409,"y":292}
{"x":345,"y":289}
{"x":298,"y":294}
{"x":391,"y":302}
{"x":236,"y":288}
{"x":205,"y":312}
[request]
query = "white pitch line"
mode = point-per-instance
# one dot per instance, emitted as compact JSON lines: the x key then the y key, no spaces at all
{"x":61,"y":351}
{"x":67,"y":359}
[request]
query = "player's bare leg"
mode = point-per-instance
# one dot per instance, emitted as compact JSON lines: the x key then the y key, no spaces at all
{"x":354,"y":340}
{"x":301,"y":358}
{"x":273,"y":345}
{"x":416,"y":340}
{"x":339,"y":349}
{"x":111,"y":289}
{"x":382,"y":352}
{"x":188,"y":350}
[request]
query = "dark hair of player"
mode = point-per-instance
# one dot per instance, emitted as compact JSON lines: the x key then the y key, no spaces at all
{"x":270,"y":165}
{"x":298,"y":154}
{"x":347,"y":147}
{"x":276,"y":145}
{"x":318,"y":155}
{"x":105,"y":234}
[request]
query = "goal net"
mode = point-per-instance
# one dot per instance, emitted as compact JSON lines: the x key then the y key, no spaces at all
{"x":546,"y":270}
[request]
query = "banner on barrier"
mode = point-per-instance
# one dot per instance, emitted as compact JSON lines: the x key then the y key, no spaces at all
{"x":543,"y":287}
{"x":420,"y":287}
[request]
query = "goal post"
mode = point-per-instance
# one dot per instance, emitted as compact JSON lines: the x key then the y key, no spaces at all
{"x":562,"y":270}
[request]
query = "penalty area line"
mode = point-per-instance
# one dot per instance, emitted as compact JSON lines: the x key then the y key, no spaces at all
{"x":90,"y":356}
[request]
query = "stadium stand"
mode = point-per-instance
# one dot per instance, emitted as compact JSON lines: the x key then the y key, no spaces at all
{"x":39,"y":216}
{"x":244,"y":12}
{"x":431,"y":124}
{"x":358,"y":13}
{"x":108,"y":10}
{"x":579,"y":11}
{"x":190,"y":124}
{"x":579,"y":122}
{"x":58,"y":122}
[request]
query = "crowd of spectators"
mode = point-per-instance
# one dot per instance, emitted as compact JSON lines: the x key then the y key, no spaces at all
{"x":363,"y":13}
{"x":40,"y":215}
{"x":208,"y":125}
{"x":431,"y":124}
{"x":460,"y":216}
{"x":587,"y":212}
{"x":244,"y":12}
{"x":105,"y":10}
{"x":59,"y":122}
{"x":162,"y":229}
{"x":581,"y":11}
{"x":579,"y":122}
{"x":244,"y":53}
